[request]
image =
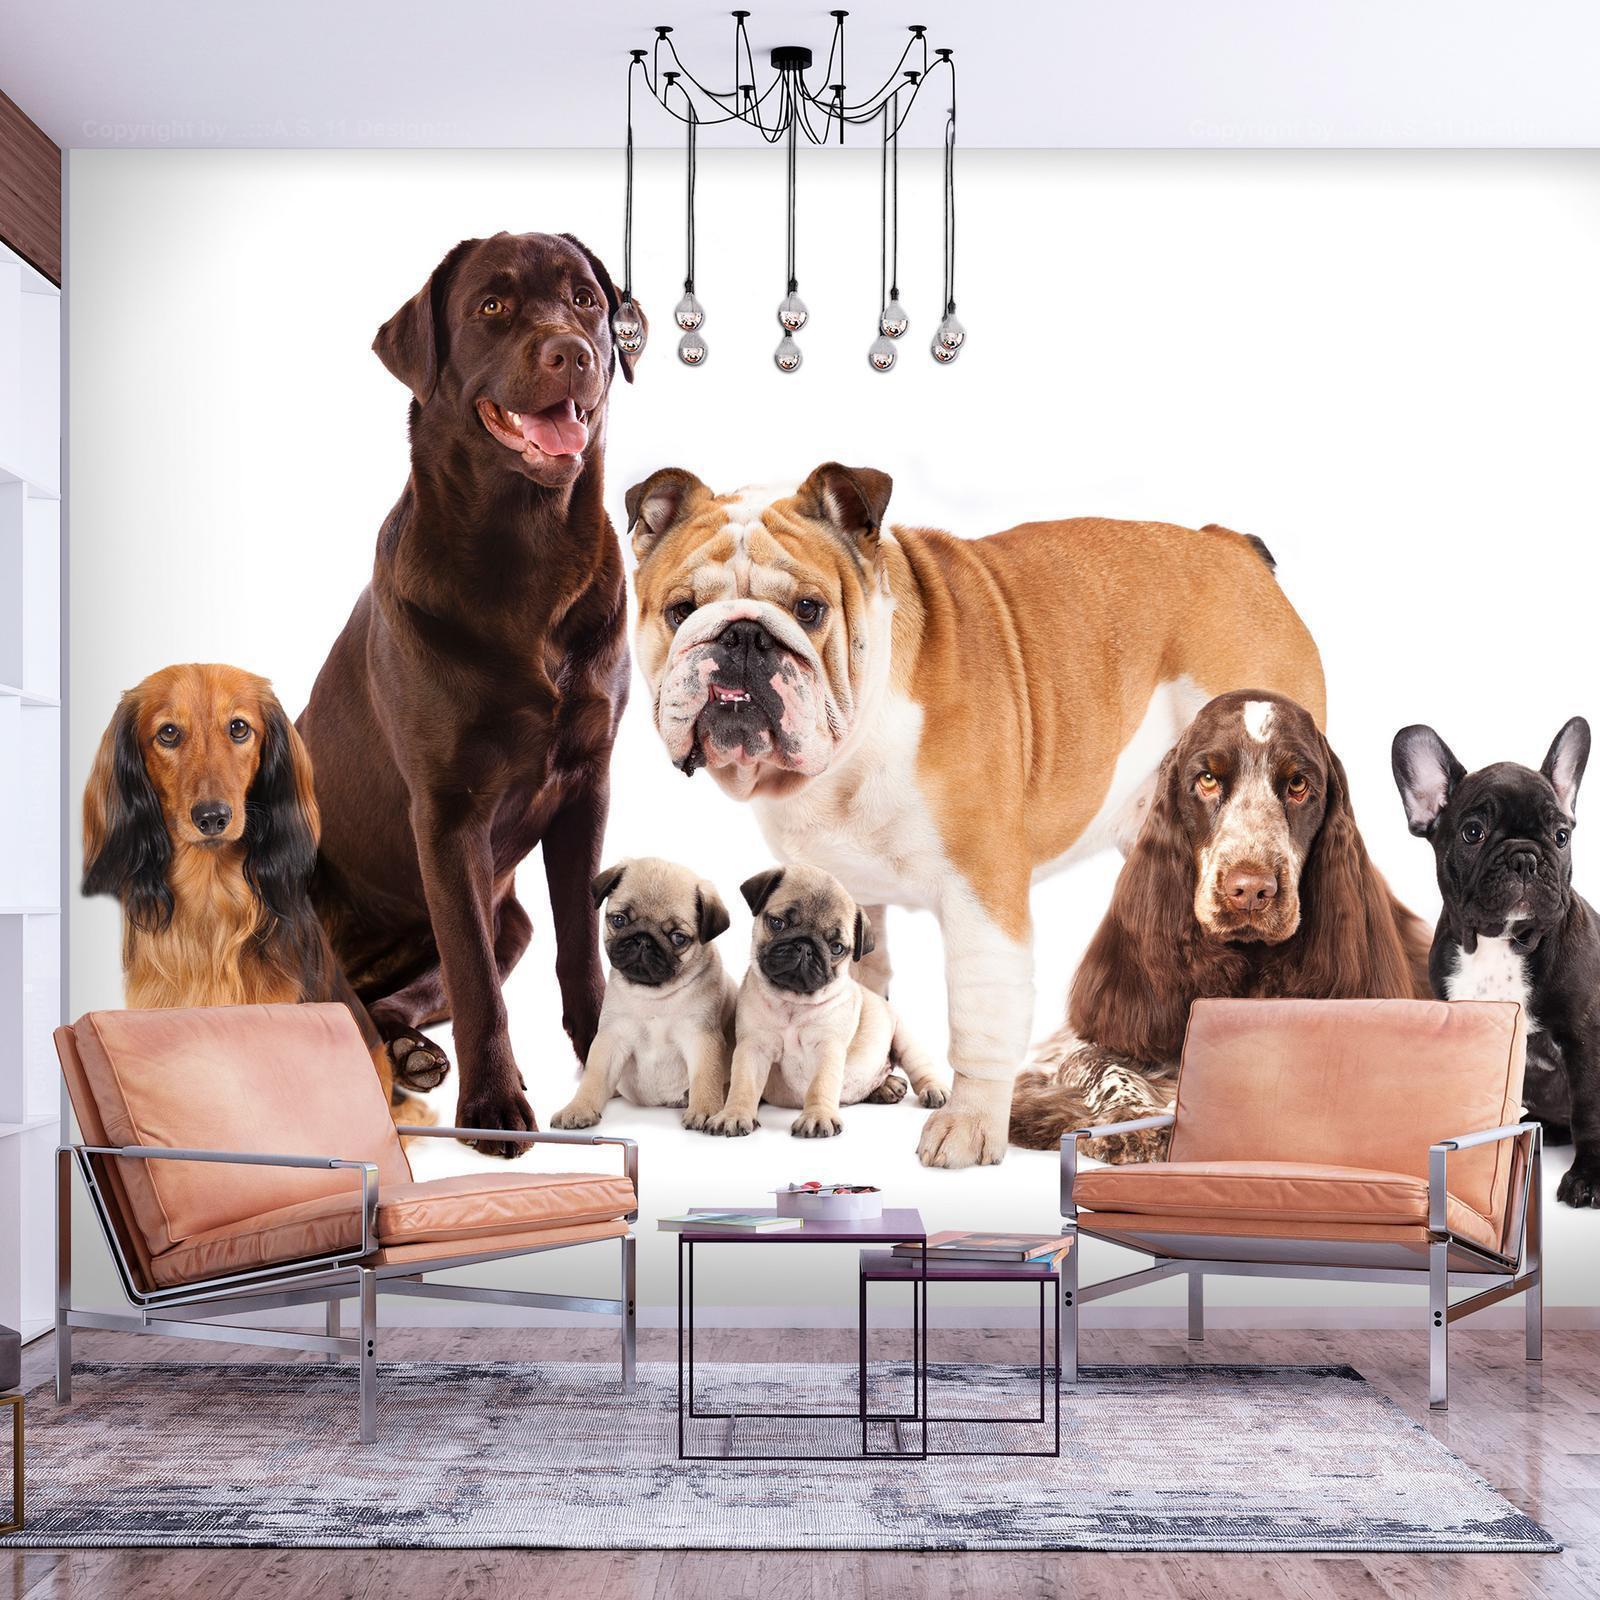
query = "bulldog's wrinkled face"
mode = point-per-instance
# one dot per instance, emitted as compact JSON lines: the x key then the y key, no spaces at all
{"x":659,"y":918}
{"x":1252,"y":777}
{"x":807,"y":929}
{"x":763,"y":616}
{"x":1502,"y":836}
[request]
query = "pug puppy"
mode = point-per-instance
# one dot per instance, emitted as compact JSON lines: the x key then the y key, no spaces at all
{"x":807,"y":1034}
{"x":666,"y":1025}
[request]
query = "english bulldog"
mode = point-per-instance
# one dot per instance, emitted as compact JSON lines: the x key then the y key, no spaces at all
{"x":938,"y":721}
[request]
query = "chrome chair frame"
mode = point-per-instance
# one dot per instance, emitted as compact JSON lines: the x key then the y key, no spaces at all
{"x":1519,"y":1270}
{"x":325,"y":1280}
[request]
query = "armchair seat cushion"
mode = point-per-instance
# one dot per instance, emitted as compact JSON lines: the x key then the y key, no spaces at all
{"x":509,"y":1210}
{"x":481,"y":1205}
{"x":1269,"y":1192}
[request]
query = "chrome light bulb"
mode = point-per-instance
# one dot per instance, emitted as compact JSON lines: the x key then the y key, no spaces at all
{"x":692,"y":349}
{"x":787,"y":355}
{"x":881,"y":353}
{"x":944,"y":353}
{"x":689,"y":313}
{"x":793,"y":315}
{"x":951,"y":334}
{"x":631,"y":343}
{"x":892,"y":320}
{"x":626,"y":323}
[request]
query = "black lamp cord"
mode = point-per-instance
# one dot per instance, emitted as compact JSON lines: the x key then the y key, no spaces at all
{"x":794,"y":282}
{"x":693,"y":166}
{"x":950,"y":201}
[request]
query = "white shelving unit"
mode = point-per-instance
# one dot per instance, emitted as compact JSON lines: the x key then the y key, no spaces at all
{"x":31,"y":979}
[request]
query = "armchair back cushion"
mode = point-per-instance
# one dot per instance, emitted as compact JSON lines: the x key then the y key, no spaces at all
{"x":1353,"y":1083}
{"x":285,"y":1080}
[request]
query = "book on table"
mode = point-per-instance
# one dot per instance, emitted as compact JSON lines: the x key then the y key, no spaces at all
{"x":730,"y":1222}
{"x":963,"y":1246}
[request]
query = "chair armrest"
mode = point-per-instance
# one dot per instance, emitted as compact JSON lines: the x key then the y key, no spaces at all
{"x":1439,"y":1161}
{"x":1069,"y":1150}
{"x":253,"y":1158}
{"x":630,"y":1147}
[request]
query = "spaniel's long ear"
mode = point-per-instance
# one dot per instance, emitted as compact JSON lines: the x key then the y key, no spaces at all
{"x":1129,"y":993}
{"x":411,"y":344}
{"x":126,"y":847}
{"x":1348,"y":946}
{"x":282,"y":823}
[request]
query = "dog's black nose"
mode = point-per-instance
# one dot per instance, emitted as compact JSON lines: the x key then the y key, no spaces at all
{"x":746,"y":634}
{"x":1523,"y":859}
{"x":211,"y":816}
{"x":566,"y":352}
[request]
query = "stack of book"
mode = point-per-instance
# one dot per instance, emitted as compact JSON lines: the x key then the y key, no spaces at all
{"x":1018,"y":1248}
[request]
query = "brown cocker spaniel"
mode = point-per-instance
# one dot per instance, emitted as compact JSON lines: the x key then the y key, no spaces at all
{"x":1248,"y":879}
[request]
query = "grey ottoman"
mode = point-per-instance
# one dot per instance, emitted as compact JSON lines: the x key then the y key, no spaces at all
{"x":11,"y":1378}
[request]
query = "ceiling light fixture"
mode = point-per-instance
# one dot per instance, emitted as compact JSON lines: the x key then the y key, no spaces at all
{"x":780,"y":113}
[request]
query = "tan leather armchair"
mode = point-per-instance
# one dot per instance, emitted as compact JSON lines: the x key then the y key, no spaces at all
{"x":1365,"y":1139}
{"x":242,"y":1159}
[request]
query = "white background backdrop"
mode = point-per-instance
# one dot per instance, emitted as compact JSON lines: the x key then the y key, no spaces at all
{"x":1381,"y":363}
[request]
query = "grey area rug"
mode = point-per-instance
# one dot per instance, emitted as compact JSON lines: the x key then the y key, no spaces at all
{"x":1153,"y":1458}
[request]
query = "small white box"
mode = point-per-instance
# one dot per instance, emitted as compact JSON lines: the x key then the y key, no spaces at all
{"x":830,"y":1207}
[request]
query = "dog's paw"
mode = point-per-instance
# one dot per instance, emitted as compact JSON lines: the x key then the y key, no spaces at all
{"x":934,"y":1096}
{"x":497,"y":1108}
{"x":698,"y":1121}
{"x":729,"y":1126}
{"x":952,"y":1138}
{"x":890,"y":1092}
{"x":1580,"y":1184}
{"x":573,"y":1117}
{"x":816,"y":1125}
{"x":418,"y":1063}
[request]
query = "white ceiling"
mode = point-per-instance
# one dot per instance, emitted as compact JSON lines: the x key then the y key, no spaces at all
{"x":1169,"y":73}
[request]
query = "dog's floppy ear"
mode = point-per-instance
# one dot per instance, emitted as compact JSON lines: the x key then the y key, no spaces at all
{"x":1132,"y":989}
{"x":604,"y":884}
{"x":411,"y":344}
{"x":851,"y":500}
{"x":1426,"y":774}
{"x":281,"y":822}
{"x":613,"y":300}
{"x":659,"y":504}
{"x":126,"y":847}
{"x":711,"y":916}
{"x":865,"y":944}
{"x":1348,"y":945}
{"x":760,"y":889}
{"x":1569,"y":755}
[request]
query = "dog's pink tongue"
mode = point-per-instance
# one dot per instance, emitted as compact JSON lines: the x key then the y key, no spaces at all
{"x":557,"y":432}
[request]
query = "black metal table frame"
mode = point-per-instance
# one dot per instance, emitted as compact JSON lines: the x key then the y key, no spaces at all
{"x":687,"y":1411}
{"x":919,"y":1338}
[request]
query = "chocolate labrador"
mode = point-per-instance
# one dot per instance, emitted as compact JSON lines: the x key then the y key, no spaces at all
{"x":467,"y":711}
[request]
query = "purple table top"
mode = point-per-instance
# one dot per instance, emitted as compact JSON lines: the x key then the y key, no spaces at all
{"x":895,"y":1226}
{"x":883,"y":1264}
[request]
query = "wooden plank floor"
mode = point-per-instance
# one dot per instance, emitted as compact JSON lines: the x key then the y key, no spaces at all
{"x":1534,"y":1432}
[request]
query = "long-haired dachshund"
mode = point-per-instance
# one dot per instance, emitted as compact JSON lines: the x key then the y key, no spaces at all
{"x":199,"y":817}
{"x":1248,"y":879}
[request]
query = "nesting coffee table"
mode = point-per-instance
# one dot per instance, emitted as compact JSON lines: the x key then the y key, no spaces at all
{"x":895,"y":1226}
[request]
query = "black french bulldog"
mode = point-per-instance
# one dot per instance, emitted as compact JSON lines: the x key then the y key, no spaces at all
{"x":1511,"y":927}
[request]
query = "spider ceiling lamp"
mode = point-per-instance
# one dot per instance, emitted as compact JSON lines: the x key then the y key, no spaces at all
{"x":786,"y":109}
